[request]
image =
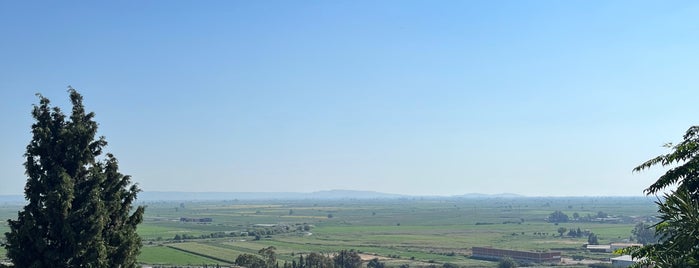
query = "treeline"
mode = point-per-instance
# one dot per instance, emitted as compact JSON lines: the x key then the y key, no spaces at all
{"x":267,"y":258}
{"x":560,"y":217}
{"x":257,"y":233}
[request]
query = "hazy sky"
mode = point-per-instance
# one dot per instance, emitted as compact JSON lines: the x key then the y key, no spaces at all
{"x":414,"y":97}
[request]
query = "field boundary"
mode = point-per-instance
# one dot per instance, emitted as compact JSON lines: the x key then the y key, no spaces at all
{"x":200,"y":254}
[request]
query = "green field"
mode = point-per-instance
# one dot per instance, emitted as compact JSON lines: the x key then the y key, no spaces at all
{"x":417,"y":231}
{"x":166,"y":255}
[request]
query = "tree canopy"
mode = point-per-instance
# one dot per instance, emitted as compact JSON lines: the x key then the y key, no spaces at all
{"x":507,"y":263}
{"x":686,"y":173}
{"x":644,"y":234}
{"x":80,"y":207}
{"x":347,"y":259}
{"x":678,"y":229}
{"x":558,"y":216}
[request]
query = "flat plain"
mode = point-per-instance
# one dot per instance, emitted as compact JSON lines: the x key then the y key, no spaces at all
{"x":415,"y":231}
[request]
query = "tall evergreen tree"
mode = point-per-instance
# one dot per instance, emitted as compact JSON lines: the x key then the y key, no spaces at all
{"x":80,"y":208}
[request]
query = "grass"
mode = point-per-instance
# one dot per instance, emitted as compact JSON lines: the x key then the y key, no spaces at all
{"x":168,"y":256}
{"x":211,"y":251}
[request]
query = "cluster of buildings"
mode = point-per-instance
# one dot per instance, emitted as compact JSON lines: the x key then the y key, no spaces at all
{"x":611,"y":247}
{"x":489,"y":253}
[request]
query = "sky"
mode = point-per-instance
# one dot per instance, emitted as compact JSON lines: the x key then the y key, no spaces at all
{"x":539,"y":98}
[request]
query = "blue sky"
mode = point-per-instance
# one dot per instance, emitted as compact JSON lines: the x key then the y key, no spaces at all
{"x":544,"y":98}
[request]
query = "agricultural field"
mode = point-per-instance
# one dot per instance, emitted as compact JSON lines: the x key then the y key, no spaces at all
{"x":162,"y":255}
{"x":414,"y":231}
{"x":7,"y":211}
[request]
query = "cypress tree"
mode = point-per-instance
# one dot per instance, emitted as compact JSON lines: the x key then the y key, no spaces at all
{"x":80,"y":208}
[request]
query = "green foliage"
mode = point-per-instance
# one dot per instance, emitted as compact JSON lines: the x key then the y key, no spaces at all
{"x":679,"y":212}
{"x":507,"y":263}
{"x":557,"y":217}
{"x":562,"y":230}
{"x":592,"y":239}
{"x":347,"y":259}
{"x":449,"y":265}
{"x":250,"y":261}
{"x":600,"y":265}
{"x":375,"y":263}
{"x":644,"y":234}
{"x":686,"y":174}
{"x":601,"y":214}
{"x":575,"y":233}
{"x":79,"y":210}
{"x":317,"y":260}
{"x":677,"y":232}
{"x":269,"y":255}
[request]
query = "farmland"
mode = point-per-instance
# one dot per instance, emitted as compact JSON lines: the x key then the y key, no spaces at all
{"x":414,"y":231}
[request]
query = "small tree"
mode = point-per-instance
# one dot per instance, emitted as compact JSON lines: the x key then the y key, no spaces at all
{"x":347,"y":259}
{"x":250,"y":261}
{"x":449,"y":265}
{"x":507,"y":262}
{"x":562,"y":230}
{"x":644,"y":234}
{"x":375,"y":263}
{"x":317,"y":260}
{"x":592,"y":239}
{"x":269,"y":255}
{"x":557,"y":217}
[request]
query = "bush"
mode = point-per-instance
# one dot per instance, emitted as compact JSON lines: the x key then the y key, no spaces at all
{"x":600,"y":265}
{"x":507,"y":263}
{"x":449,"y":265}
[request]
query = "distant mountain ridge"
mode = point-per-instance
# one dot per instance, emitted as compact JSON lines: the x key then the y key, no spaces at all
{"x":331,"y":194}
{"x":318,"y":195}
{"x":321,"y":195}
{"x":478,"y":195}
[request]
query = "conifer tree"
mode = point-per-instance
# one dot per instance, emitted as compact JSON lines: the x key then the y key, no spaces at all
{"x":80,"y":208}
